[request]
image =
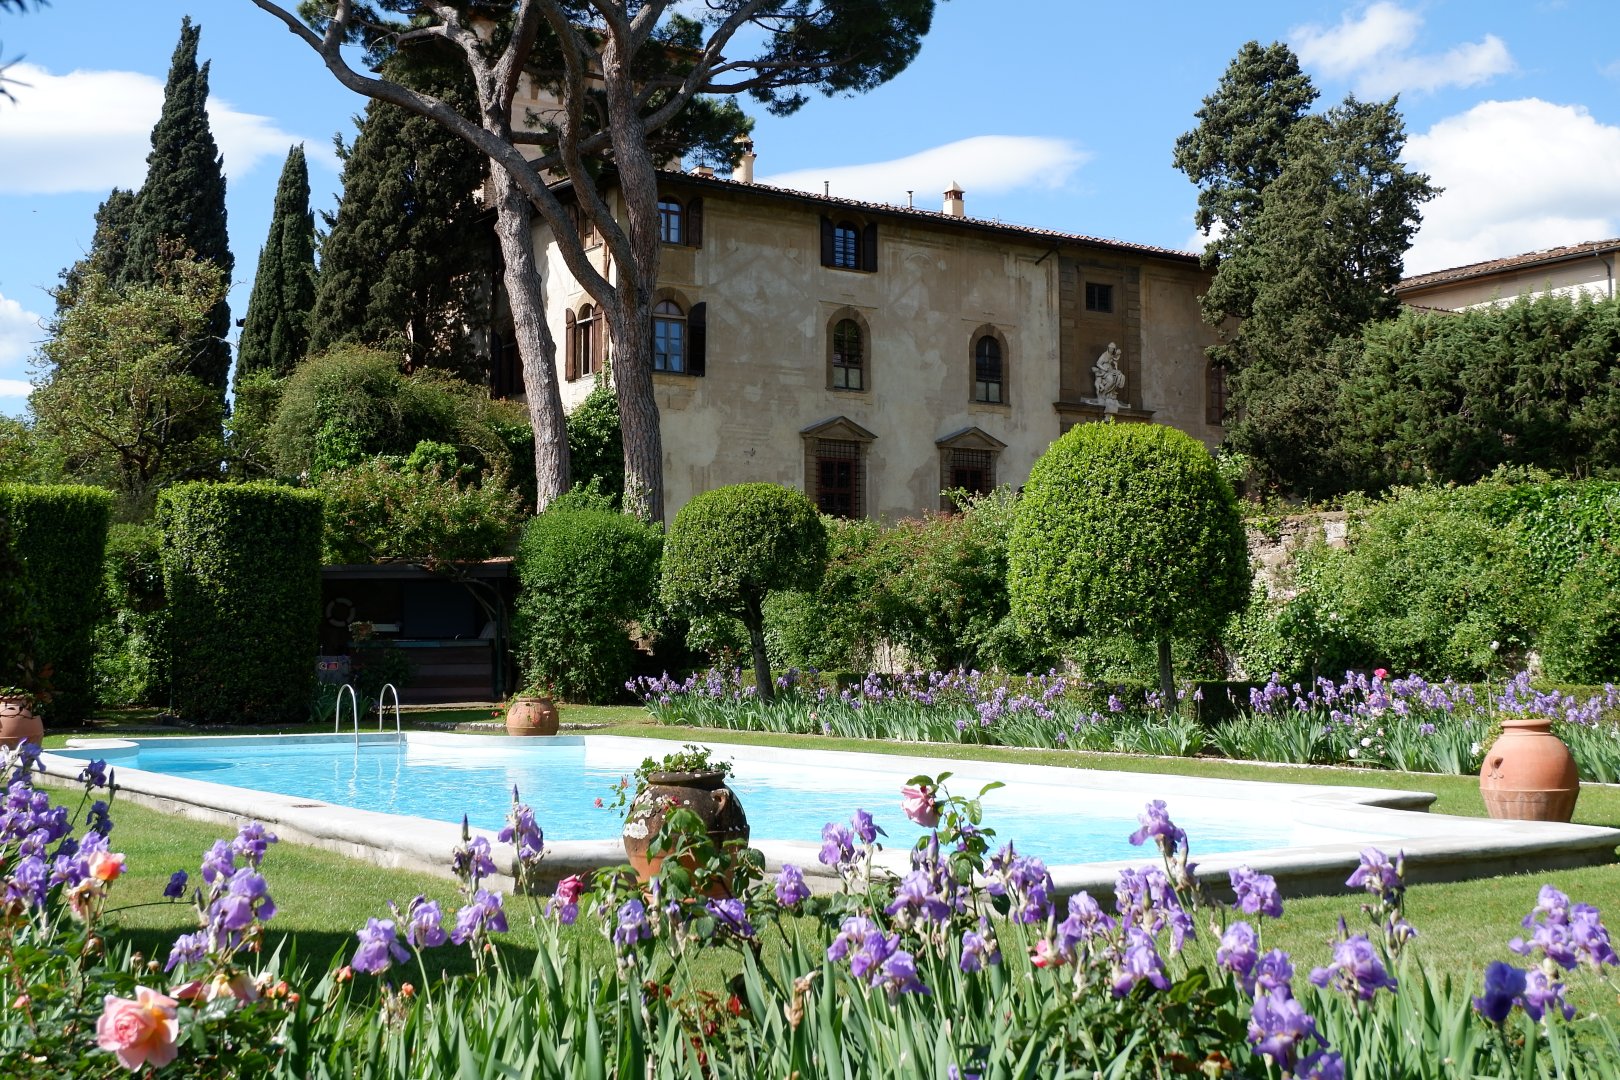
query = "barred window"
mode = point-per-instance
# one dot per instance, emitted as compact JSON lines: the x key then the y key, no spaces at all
{"x":840,"y":478}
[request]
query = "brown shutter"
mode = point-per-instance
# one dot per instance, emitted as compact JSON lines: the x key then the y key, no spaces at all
{"x":694,"y":223}
{"x":599,"y":341}
{"x":697,"y":333}
{"x":869,"y":247}
{"x":570,"y":360}
{"x":826,"y":241}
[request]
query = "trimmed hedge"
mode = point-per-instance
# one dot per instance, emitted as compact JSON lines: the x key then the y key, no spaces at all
{"x":57,"y":534}
{"x":584,"y":575}
{"x":131,"y":662}
{"x":241,"y":571}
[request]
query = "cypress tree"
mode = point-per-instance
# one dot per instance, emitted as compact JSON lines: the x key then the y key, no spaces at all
{"x":182,"y":204}
{"x":275,"y":334}
{"x":109,"y":248}
{"x":407,"y":263}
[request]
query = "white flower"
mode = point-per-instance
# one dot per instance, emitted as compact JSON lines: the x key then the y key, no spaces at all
{"x":1354,"y":752}
{"x":1495,"y":645}
{"x":1474,"y":749}
{"x":636,"y":830}
{"x":1367,"y":742}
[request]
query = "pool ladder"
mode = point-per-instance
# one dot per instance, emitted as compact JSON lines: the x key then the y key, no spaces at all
{"x":388,"y":690}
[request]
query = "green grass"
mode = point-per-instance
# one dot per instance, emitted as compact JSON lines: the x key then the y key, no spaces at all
{"x":324,"y":897}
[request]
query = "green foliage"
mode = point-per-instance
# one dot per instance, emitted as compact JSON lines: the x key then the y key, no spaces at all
{"x":1582,"y":639}
{"x":352,"y":403}
{"x":1428,"y":585}
{"x":1127,"y":529}
{"x":1450,"y":396}
{"x":407,"y":261}
{"x":247,"y":450}
{"x":241,"y":571}
{"x":180,"y":209}
{"x":595,"y":443}
{"x":378,"y":511}
{"x":1317,"y":212}
{"x":275,"y":333}
{"x":584,"y":574}
{"x":55,"y":536}
{"x":131,"y":640}
{"x":27,"y":456}
{"x":833,"y":628}
{"x":109,"y":247}
{"x":122,"y":400}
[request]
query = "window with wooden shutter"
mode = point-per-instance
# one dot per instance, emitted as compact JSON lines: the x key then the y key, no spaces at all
{"x":697,"y":339}
{"x":826,"y":241}
{"x":869,"y":248}
{"x":570,"y":360}
{"x":694,"y":222}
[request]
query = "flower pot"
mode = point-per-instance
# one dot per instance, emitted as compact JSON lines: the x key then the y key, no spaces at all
{"x":703,"y":793}
{"x":531,"y":716}
{"x":1529,"y":774}
{"x":18,"y":724}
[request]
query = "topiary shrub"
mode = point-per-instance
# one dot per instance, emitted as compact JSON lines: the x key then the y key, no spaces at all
{"x":131,"y":643}
{"x":1128,"y":529}
{"x":57,"y":534}
{"x":583,"y":576}
{"x":241,"y":571}
{"x":731,"y":547}
{"x":834,"y":628}
{"x":1582,"y":641}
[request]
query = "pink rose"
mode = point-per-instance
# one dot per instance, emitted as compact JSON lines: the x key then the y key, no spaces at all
{"x":140,"y":1032}
{"x":918,"y":803}
{"x":1380,"y":673}
{"x":1044,"y":955}
{"x":569,"y":889}
{"x":106,"y":866}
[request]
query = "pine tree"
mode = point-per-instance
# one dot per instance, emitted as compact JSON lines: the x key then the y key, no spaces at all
{"x":407,"y":263}
{"x":181,"y":207}
{"x":275,"y":334}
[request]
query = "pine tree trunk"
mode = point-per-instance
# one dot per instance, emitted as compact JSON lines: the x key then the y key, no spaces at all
{"x":755,"y":620}
{"x":638,"y":412}
{"x":514,"y":222}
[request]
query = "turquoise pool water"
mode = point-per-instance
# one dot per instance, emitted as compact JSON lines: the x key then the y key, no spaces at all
{"x":442,"y":780}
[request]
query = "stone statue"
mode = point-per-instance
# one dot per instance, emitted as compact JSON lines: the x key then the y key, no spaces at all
{"x":1109,"y":379}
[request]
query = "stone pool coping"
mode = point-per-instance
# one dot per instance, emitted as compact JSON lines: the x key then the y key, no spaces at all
{"x":1438,"y":847}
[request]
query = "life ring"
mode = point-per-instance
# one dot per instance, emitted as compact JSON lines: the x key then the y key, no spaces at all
{"x":344,"y":604}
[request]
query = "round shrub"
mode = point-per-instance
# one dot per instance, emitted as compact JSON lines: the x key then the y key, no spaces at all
{"x":1582,"y":641}
{"x":730,"y":547}
{"x":583,"y":576}
{"x":1127,"y":529}
{"x":57,"y":534}
{"x":242,"y":574}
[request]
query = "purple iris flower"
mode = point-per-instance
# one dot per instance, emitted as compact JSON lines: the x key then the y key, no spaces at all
{"x":247,"y":897}
{"x":978,"y":950}
{"x":917,"y":901}
{"x":867,"y":961}
{"x":473,"y":861}
{"x":837,"y":846}
{"x":424,"y":924}
{"x":188,"y":949}
{"x":1356,"y":969}
{"x":1322,"y":1065}
{"x":1542,"y":994}
{"x":252,"y":841}
{"x":28,"y":882}
{"x":1503,"y":984}
{"x":176,"y":888}
{"x":790,"y":886}
{"x":898,"y":975}
{"x":94,"y":774}
{"x":523,"y":832}
{"x":866,"y":829}
{"x":632,"y":925}
{"x":99,"y":819}
{"x":482,"y":914}
{"x":219,"y":862}
{"x":1025,"y":881}
{"x":1155,"y":819}
{"x":1274,"y":975}
{"x":731,"y":914}
{"x":1377,"y":875}
{"x":1256,"y":893}
{"x":1278,"y":1026}
{"x":851,"y":933}
{"x":1140,"y":963}
{"x":379,"y":947}
{"x":1085,"y":923}
{"x":1238,"y":952}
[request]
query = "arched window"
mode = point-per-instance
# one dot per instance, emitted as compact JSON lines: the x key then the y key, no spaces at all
{"x":586,"y":362}
{"x":846,"y":246}
{"x":1216,"y":394}
{"x":671,"y":221}
{"x":848,"y":356}
{"x":988,"y":374}
{"x":669,"y":337}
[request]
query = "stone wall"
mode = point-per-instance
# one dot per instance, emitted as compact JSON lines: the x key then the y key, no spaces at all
{"x":1272,"y":544}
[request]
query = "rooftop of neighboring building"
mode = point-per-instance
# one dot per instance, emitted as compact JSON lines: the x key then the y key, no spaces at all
{"x":1511,"y":263}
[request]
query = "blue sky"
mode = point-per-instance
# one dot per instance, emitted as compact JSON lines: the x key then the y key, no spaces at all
{"x":1054,"y":113}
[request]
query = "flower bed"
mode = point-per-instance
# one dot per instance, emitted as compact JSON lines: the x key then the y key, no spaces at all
{"x":1373,"y":720}
{"x":962,"y":967}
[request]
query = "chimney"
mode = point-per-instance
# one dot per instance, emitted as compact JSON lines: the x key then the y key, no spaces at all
{"x":703,"y":170}
{"x":954,"y":207}
{"x":744,"y":172}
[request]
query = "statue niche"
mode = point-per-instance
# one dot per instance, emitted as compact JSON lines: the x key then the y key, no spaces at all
{"x":1108,"y":378}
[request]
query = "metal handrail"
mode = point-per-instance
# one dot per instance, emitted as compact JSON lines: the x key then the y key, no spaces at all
{"x":382,"y":696}
{"x":337,"y":713}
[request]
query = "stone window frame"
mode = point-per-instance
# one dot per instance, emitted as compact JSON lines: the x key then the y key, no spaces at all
{"x":834,"y":369}
{"x":958,"y":444}
{"x":693,"y":319}
{"x":1099,"y":297}
{"x":991,"y":331}
{"x":838,"y":438}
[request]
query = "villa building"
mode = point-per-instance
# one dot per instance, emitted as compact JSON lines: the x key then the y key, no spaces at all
{"x":1580,"y":268}
{"x":875,"y":355}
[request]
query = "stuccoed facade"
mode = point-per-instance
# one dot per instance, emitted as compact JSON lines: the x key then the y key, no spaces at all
{"x":1578,"y":269}
{"x":874,"y":422}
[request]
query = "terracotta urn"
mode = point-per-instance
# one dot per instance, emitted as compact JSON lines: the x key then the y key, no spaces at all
{"x":703,"y":793}
{"x":18,"y":724}
{"x":1529,"y":774}
{"x":531,"y":716}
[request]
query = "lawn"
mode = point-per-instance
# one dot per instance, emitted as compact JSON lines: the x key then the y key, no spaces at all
{"x":323,"y":897}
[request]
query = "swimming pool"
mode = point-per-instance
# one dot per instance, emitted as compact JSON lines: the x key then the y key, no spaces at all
{"x":400,"y":800}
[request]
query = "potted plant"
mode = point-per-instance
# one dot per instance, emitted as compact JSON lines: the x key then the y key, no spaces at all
{"x":533,"y":711}
{"x":690,"y":781}
{"x":18,"y":721}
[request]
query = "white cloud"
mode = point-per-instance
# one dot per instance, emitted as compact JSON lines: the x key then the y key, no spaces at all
{"x":91,"y":130}
{"x":1519,"y":176}
{"x":983,"y":165}
{"x":20,"y":333}
{"x":1372,"y":51}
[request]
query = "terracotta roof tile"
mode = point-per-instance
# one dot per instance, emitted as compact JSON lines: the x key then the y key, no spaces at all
{"x":1511,"y":262}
